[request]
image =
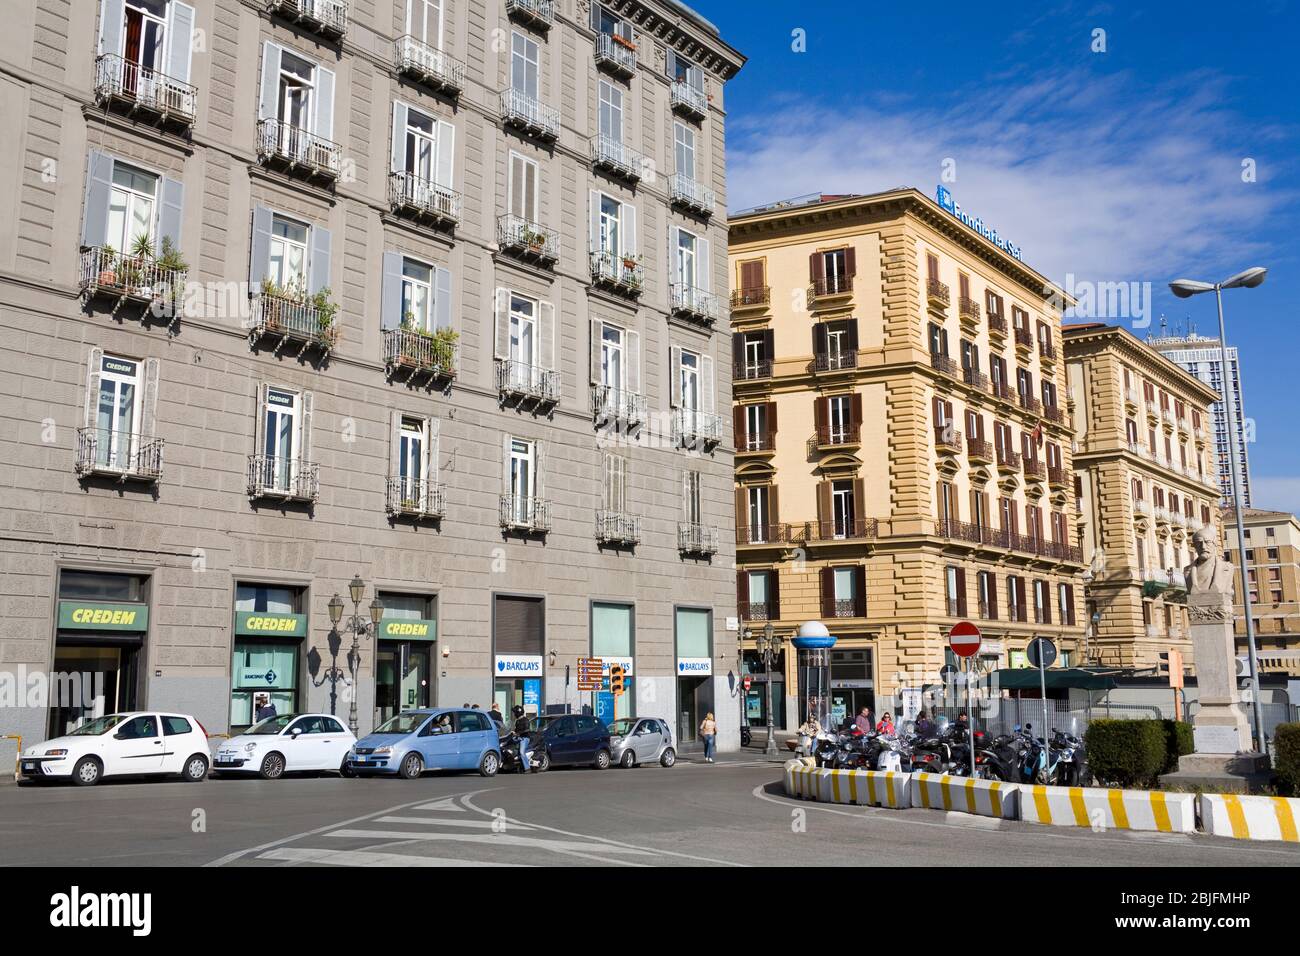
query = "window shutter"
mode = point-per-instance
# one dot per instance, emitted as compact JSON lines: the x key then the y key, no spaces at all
{"x":851,"y":261}
{"x":399,"y":137}
{"x":594,"y":224}
{"x":824,"y":513}
{"x":771,"y":418}
{"x":774,"y":595}
{"x":742,"y":512}
{"x":99,"y":189}
{"x":1069,"y":603}
{"x":860,"y":591}
{"x":506,"y":442}
{"x":171,"y":212}
{"x":149,"y":403}
{"x":324,"y":125}
{"x":259,"y":419}
{"x":819,"y":338}
{"x":769,"y":349}
{"x":320,"y":258}
{"x":672,"y":64}
{"x":259,"y":256}
{"x":446,"y":169}
{"x":737,"y":352}
{"x":704,"y":268}
{"x":442,"y":298}
{"x":1047,"y":603}
{"x":627,"y":222}
{"x":632,"y":363}
{"x":828,"y":592}
{"x":432,"y":461}
{"x":673,"y":260}
{"x":394,"y":443}
{"x":502,"y":337}
{"x":859,"y":501}
{"x":112,"y":18}
{"x":518,"y":187}
{"x":853,"y":334}
{"x":819,"y":414}
{"x":816,"y":268}
{"x":742,"y":591}
{"x":773,"y":505}
{"x":180,"y":36}
{"x":390,"y":306}
{"x":961,"y":591}
{"x":308,"y":406}
{"x":539,"y":470}
{"x":268,"y":106}
{"x":93,"y":366}
{"x":675,"y":376}
{"x":547,"y":326}
{"x":855,"y":410}
{"x":707,"y":398}
{"x":993,"y":595}
{"x":739,"y":425}
{"x":597,"y":330}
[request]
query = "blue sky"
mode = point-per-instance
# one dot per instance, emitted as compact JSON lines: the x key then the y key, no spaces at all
{"x":1117,"y":166}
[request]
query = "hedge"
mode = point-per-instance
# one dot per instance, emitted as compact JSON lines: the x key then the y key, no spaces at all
{"x":1126,"y":753}
{"x":1178,"y":743}
{"x":1287,"y":741}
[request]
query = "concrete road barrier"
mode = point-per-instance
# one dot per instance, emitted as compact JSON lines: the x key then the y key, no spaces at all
{"x":868,"y":788}
{"x":1102,"y":809}
{"x":801,"y":780}
{"x":985,"y":798}
{"x":1250,"y":818}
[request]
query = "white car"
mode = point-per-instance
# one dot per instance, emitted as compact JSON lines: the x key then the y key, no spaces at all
{"x":280,"y":745}
{"x":134,"y":743}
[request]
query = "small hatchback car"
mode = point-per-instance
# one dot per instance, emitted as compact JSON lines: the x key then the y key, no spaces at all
{"x":570,"y":739}
{"x":287,"y":744}
{"x":132,"y":744}
{"x":438,"y":739}
{"x":634,"y":740}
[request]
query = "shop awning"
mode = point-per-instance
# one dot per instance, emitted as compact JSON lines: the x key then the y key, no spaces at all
{"x":1061,"y":678}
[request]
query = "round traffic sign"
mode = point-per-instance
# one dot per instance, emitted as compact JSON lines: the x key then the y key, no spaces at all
{"x":964,"y":639}
{"x":1041,"y":649}
{"x":948,"y":674}
{"x":748,"y":682}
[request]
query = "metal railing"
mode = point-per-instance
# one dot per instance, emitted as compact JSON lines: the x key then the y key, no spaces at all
{"x":1001,"y":391}
{"x":758,"y":611}
{"x":525,"y":513}
{"x":1031,"y":404}
{"x":622,"y":273}
{"x":278,"y":141}
{"x":416,"y":497}
{"x":835,"y":361}
{"x":997,"y":324}
{"x":1024,"y":338}
{"x":942,"y":363}
{"x":846,"y":607}
{"x":1008,"y":460}
{"x":968,"y":309}
{"x":694,"y":303}
{"x":528,"y":238}
{"x":520,"y":109}
{"x":541,"y":12}
{"x":328,"y":16}
{"x":140,"y":88}
{"x":1034,"y":468}
{"x":697,"y":538}
{"x":417,"y":352}
{"x":840,"y":529}
{"x":937,"y":293}
{"x":1046,"y":350}
{"x":126,"y":456}
{"x":978,"y":449}
{"x":1131,"y":396}
{"x":1057,"y":476}
{"x":617,"y":527}
{"x":751,"y":298}
{"x":428,"y":64}
{"x":835,"y":436}
{"x":616,"y":53}
{"x":763,"y":534}
{"x":692,"y":426}
{"x":610,"y":404}
{"x":683,"y":96}
{"x":110,"y":273}
{"x":1054,"y":413}
{"x":760,"y":368}
{"x":423,"y":197}
{"x":692,"y":194}
{"x":975,"y":379}
{"x":617,"y":157}
{"x":829,"y":287}
{"x":274,"y":476}
{"x":529,"y":381}
{"x":947,"y":438}
{"x":291,"y":320}
{"x":764,"y":441}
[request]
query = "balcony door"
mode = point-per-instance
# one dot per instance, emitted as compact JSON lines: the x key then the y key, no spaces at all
{"x":685,"y":259}
{"x":524,"y":65}
{"x":684,"y":150}
{"x":756,"y":426}
{"x":836,"y":268}
{"x":610,"y":226}
{"x":287,"y":268}
{"x":759,"y":608}
{"x":838,"y":344}
{"x":417,"y":294}
{"x":842,"y":508}
{"x":692,"y":500}
{"x":421,"y":148}
{"x":281,"y":443}
{"x":690,"y":385}
{"x":611,"y":358}
{"x":755,"y":356}
{"x":610,"y":115}
{"x":521,"y":480}
{"x":424,"y":21}
{"x":142,"y":49}
{"x":410,"y":459}
{"x":118,"y":412}
{"x":132,"y":208}
{"x":523,"y":341}
{"x":845,"y":585}
{"x":523,"y":188}
{"x":839,"y":415}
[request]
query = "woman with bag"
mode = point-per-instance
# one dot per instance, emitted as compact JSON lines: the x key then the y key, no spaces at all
{"x":709,"y":731}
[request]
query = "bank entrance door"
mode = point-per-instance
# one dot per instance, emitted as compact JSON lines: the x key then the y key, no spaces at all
{"x":524,"y":691}
{"x":403,"y":678}
{"x":101,"y":678}
{"x":694,"y":700}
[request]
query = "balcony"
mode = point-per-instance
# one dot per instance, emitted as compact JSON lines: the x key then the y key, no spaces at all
{"x":976,"y":379}
{"x":942,"y":363}
{"x":1153,"y":413}
{"x":937,"y":295}
{"x":840,"y":529}
{"x":536,"y":13}
{"x":962,"y":531}
{"x":297,"y":150}
{"x":528,"y":240}
{"x":835,"y":361}
{"x":762,"y":444}
{"x":125,"y":85}
{"x":530,"y":115}
{"x":846,"y":607}
{"x":616,"y":54}
{"x":757,"y":299}
{"x":997,"y":326}
{"x":110,"y":275}
{"x":1141,"y":507}
{"x":697,"y":539}
{"x":691,"y":195}
{"x":1046,"y":352}
{"x":753,"y":370}
{"x":517,"y":380}
{"x":1170,"y":584}
{"x":1167,"y":419}
{"x":289,"y":479}
{"x":1031,"y":405}
{"x":326,"y":17}
{"x":762,"y":534}
{"x":1137,"y":448}
{"x":759,"y":611}
{"x":524,"y":514}
{"x":122,"y":456}
{"x":1024,"y":339}
{"x":618,"y":273}
{"x":1201,"y":435}
{"x":1131,"y":398}
{"x":696,"y":305}
{"x":692,"y":427}
{"x":968,"y":311}
{"x":1057,"y":477}
{"x":1054,"y":413}
{"x":287,"y":320}
{"x":829,"y":290}
{"x":415,"y":498}
{"x":617,"y":158}
{"x":1035,"y":470}
{"x":419,"y":355}
{"x":618,"y":529}
{"x":1008,"y":461}
{"x":428,"y":65}
{"x":979,"y":451}
{"x":617,"y":406}
{"x":947,"y":440}
{"x":684,"y":98}
{"x":834,"y":438}
{"x":419,"y":198}
{"x":1001,"y":391}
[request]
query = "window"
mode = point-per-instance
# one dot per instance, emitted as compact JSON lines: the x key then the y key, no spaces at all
{"x":998,"y":373}
{"x":523,"y":334}
{"x":938,"y":336}
{"x":1016,"y":598}
{"x":417,"y":293}
{"x":970,"y":356}
{"x":295,"y":89}
{"x":684,"y":151}
{"x":614,"y":484}
{"x":760,"y":603}
{"x":410,"y":455}
{"x":692,"y":498}
{"x":288,"y":263}
{"x":756,"y":425}
{"x":424,"y":21}
{"x":690,"y":380}
{"x":1007,"y":516}
{"x":986,"y":582}
{"x":175,"y":726}
{"x":281,"y":413}
{"x":524,"y":180}
{"x":842,"y":508}
{"x":610,"y":113}
{"x":117,"y":411}
{"x":132,"y":208}
{"x":522,"y":476}
{"x":757,"y":496}
{"x":683,"y":71}
{"x":602,"y":21}
{"x":688,"y":271}
{"x":1042,"y":603}
{"x":955,"y":586}
{"x":611,"y":356}
{"x":524,"y":59}
{"x":839,"y":415}
{"x":841,"y":343}
{"x":613,"y":226}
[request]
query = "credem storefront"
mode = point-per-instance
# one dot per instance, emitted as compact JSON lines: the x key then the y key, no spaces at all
{"x":269,"y":631}
{"x":404,"y":656}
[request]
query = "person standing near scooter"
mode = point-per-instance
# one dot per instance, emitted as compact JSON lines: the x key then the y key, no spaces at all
{"x":521,"y":731}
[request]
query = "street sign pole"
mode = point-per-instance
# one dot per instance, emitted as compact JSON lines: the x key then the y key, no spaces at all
{"x":970,"y":712}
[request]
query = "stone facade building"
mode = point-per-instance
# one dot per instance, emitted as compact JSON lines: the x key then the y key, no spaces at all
{"x":1273,"y":568}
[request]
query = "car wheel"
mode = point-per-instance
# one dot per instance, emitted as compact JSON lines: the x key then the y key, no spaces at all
{"x":628,"y":760}
{"x":489,"y":765}
{"x":541,"y":763}
{"x":87,"y":772}
{"x":602,"y":759}
{"x":412,"y":766}
{"x":345,"y":769}
{"x":272,"y":767}
{"x":668,"y":758}
{"x":196,"y":769}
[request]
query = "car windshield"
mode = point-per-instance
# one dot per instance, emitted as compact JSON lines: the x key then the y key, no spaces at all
{"x":622,"y":727}
{"x":541,"y":723}
{"x":402,"y":724}
{"x":271,"y":726}
{"x":100,"y":725}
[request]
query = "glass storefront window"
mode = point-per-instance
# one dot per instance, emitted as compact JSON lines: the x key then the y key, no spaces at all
{"x":265,"y":598}
{"x":611,"y":640}
{"x":93,"y":586}
{"x":262,"y":673}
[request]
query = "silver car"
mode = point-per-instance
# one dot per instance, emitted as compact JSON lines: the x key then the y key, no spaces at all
{"x":634,"y":740}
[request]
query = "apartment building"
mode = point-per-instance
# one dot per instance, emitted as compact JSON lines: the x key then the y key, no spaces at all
{"x":1272,"y":566}
{"x":411,"y":295}
{"x":902,"y":454}
{"x":1146,"y":480}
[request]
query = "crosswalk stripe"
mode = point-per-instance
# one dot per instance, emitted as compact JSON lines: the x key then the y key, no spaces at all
{"x":503,"y":839}
{"x":314,"y":855}
{"x":437,"y":822}
{"x":447,"y":804}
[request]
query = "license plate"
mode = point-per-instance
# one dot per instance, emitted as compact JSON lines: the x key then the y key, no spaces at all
{"x":30,"y":767}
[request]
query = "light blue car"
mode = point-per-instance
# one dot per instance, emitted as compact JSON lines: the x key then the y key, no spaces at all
{"x":433,"y":739}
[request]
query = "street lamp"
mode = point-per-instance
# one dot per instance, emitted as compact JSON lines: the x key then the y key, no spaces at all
{"x":769,"y":645}
{"x":358,"y":628}
{"x":1185,"y":288}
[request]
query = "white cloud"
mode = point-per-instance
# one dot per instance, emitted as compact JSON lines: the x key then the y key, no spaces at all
{"x":1275,"y":493}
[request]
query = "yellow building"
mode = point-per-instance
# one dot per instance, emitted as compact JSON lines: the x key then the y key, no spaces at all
{"x":902,"y":460}
{"x":1146,"y":480}
{"x":1273,"y":564}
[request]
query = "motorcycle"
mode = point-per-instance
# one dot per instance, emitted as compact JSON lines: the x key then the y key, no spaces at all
{"x":745,"y":736}
{"x":1073,"y":765}
{"x":510,"y":762}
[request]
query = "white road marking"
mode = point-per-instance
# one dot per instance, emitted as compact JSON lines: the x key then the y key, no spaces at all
{"x":315,"y":856}
{"x":449,"y":805}
{"x":433,"y":821}
{"x":504,"y":839}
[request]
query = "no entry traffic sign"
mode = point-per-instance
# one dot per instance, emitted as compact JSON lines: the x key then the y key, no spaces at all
{"x":964,"y":639}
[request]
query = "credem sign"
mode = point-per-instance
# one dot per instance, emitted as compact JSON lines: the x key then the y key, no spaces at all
{"x":273,"y":625}
{"x":94,"y":616}
{"x":421,"y":629}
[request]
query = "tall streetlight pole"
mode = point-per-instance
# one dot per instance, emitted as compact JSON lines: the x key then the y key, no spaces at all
{"x":359,"y":629}
{"x":769,"y":645}
{"x":1185,"y":288}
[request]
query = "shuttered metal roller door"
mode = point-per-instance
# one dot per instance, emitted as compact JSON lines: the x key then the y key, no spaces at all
{"x":519,"y":625}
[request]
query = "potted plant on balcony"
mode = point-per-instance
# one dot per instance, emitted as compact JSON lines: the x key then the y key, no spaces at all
{"x":534,"y":239}
{"x":142,"y":256}
{"x":172,"y":269}
{"x":327,"y":331}
{"x":624,"y":42}
{"x":408,"y":345}
{"x":443,"y":342}
{"x":108,"y":266}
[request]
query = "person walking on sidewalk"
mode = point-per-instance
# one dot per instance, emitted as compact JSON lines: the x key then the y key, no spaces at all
{"x":709,"y":731}
{"x":864,"y":721}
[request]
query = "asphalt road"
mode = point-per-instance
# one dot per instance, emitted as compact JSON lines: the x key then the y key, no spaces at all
{"x":732,"y":813}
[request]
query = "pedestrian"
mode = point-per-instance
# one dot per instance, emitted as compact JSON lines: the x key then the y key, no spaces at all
{"x":864,"y":722}
{"x":924,"y":726}
{"x":709,"y":731}
{"x":265,"y":708}
{"x":886,"y":725}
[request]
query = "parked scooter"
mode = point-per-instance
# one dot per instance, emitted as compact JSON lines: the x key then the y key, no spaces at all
{"x":510,"y":762}
{"x":1073,"y":766}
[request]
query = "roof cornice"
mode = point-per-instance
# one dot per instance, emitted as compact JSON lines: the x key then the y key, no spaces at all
{"x":1138,"y":353}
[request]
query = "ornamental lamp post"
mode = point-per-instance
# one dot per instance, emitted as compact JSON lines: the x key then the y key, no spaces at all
{"x":769,"y":645}
{"x":359,"y":628}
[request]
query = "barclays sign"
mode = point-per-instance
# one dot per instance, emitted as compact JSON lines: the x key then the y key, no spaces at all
{"x":943,"y":196}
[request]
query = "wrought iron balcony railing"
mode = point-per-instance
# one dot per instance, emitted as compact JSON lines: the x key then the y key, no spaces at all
{"x":528,"y":381}
{"x":968,"y":310}
{"x":525,"y":513}
{"x":621,"y":273}
{"x":299,"y":149}
{"x":1008,"y":460}
{"x":618,"y":158}
{"x":415,"y":497}
{"x":847,"y":607}
{"x":829,"y":287}
{"x":286,"y":320}
{"x":692,"y":194}
{"x":429,"y":65}
{"x":693,"y":427}
{"x":1046,"y":351}
{"x":760,"y":442}
{"x":997,"y":325}
{"x":697,"y":539}
{"x":834,"y":361}
{"x":763,"y":534}
{"x":540,"y":13}
{"x":1034,"y":469}
{"x":1031,"y":404}
{"x":947,"y":439}
{"x":124,"y":83}
{"x":937,"y":294}
{"x":753,"y":369}
{"x":755,"y":298}
{"x":617,"y":405}
{"x":125,"y":456}
{"x":423,"y":198}
{"x":616,"y":54}
{"x":1001,"y":391}
{"x":323,"y":16}
{"x":1054,"y":413}
{"x":975,"y":379}
{"x":111,"y":274}
{"x":1057,"y":476}
{"x":942,"y":363}
{"x":617,"y":527}
{"x":759,"y":611}
{"x":417,"y":353}
{"x":529,"y":239}
{"x":840,"y":529}
{"x":531,"y":115}
{"x":696,"y":304}
{"x":1024,"y":338}
{"x":688,"y":99}
{"x":273,"y":476}
{"x":977,"y":449}
{"x":829,"y":437}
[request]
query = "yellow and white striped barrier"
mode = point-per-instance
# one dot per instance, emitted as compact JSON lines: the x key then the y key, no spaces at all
{"x":1101,"y":809}
{"x":1250,"y":818}
{"x":801,"y":780}
{"x":985,"y":798}
{"x":863,"y":788}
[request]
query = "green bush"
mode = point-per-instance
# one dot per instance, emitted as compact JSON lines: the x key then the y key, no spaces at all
{"x":1287,"y":741}
{"x":1126,"y":753}
{"x":1178,"y":743}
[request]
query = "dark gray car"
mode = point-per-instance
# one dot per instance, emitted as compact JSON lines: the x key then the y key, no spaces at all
{"x":634,"y":740}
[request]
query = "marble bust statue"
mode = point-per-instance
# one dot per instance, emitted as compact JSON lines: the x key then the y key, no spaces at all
{"x":1209,"y":573}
